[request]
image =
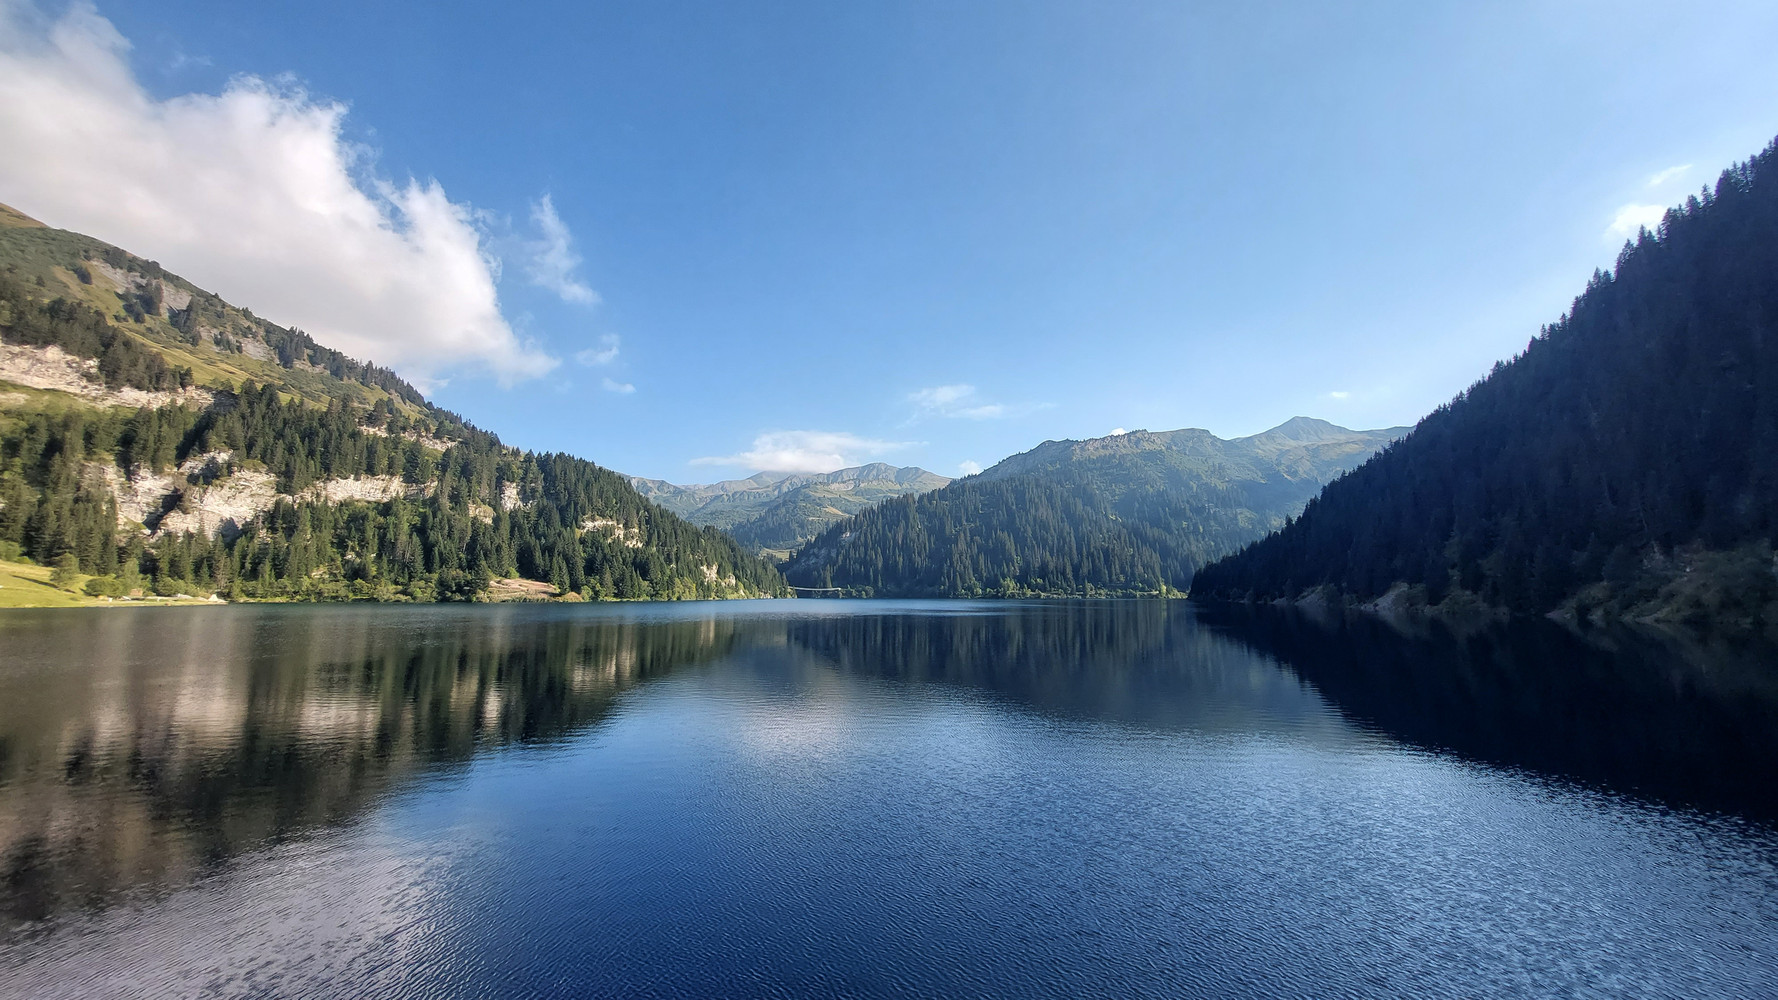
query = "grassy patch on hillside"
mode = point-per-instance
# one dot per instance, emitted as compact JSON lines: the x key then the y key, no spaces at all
{"x":23,"y":586}
{"x":27,"y":586}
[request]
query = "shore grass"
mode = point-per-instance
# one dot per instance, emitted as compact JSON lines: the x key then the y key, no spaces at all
{"x":25,"y":586}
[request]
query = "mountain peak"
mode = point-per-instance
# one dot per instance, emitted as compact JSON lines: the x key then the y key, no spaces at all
{"x":1306,"y":429}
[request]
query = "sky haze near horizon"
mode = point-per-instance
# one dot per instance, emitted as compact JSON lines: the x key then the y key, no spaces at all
{"x":692,"y":241}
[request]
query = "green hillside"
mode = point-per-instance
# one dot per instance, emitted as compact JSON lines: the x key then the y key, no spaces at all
{"x":165,"y":441}
{"x":1134,"y":513}
{"x":774,"y":513}
{"x":1626,"y":462}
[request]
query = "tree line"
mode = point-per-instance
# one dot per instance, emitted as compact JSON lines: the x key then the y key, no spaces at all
{"x":447,"y":539}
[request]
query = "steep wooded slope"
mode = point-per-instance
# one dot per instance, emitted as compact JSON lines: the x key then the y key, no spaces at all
{"x":1627,"y":460}
{"x":159,"y":438}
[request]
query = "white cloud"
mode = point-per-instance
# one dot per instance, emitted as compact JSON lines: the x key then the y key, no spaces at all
{"x":940,"y":399}
{"x":1663,"y":176}
{"x":969,"y":467}
{"x":613,"y":385}
{"x":604,"y":354}
{"x":1339,"y":394}
{"x":961,"y":400}
{"x":807,"y":451}
{"x":552,"y":258}
{"x":1633,"y":218}
{"x":1117,"y":432}
{"x":253,"y":193}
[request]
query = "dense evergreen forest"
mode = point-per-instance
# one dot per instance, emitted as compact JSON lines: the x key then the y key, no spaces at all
{"x":468,"y":514}
{"x":959,"y":541}
{"x":1134,"y":514}
{"x":1626,"y":461}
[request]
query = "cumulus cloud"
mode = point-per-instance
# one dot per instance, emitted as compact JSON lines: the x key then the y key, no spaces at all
{"x":1631,"y":219}
{"x":807,"y":451}
{"x":969,"y":467}
{"x":1117,"y":432}
{"x":253,"y":193}
{"x":604,"y":354}
{"x":613,"y":385}
{"x":1663,"y":176}
{"x":553,"y":262}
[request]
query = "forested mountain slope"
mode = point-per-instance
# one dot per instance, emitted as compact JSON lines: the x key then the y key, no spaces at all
{"x":1626,"y":461}
{"x":1127,"y":514}
{"x":774,"y":513}
{"x":161,"y":439}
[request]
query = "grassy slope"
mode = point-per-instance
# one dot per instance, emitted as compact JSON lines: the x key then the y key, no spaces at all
{"x":33,"y":251}
{"x":26,"y":586}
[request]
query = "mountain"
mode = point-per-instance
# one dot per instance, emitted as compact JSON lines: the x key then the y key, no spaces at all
{"x":1127,"y":514}
{"x":1625,"y":463}
{"x":156,"y":437}
{"x":774,"y":512}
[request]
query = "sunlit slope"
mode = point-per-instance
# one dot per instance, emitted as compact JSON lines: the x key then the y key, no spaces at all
{"x":1133,"y":513}
{"x":169,"y":442}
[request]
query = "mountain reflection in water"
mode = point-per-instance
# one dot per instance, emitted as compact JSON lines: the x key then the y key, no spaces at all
{"x":1644,"y":712}
{"x":142,"y":753}
{"x":141,"y":749}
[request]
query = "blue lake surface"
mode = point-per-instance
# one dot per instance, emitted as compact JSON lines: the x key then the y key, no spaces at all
{"x":872,"y":798}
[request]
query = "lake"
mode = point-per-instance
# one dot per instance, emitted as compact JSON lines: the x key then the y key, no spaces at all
{"x":875,"y":798}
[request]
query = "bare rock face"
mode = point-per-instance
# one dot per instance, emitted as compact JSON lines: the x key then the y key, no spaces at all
{"x":203,"y":497}
{"x":374,"y":489}
{"x":615,"y":531}
{"x":53,"y":368}
{"x":224,"y":507}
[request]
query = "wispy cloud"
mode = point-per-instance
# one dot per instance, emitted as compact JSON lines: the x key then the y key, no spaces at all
{"x":552,"y":262}
{"x":1631,"y":219}
{"x":1339,"y":394}
{"x":962,"y":401}
{"x":1663,"y":176}
{"x":969,"y":467}
{"x":807,"y":451}
{"x":253,"y":192}
{"x":604,"y":354}
{"x":613,"y":385}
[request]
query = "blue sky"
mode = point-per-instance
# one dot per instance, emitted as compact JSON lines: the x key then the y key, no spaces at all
{"x":738,"y":235}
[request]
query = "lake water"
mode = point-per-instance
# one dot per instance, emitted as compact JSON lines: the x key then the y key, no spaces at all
{"x":876,"y":799}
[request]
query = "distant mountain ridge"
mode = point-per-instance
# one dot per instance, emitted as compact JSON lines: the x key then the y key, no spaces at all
{"x":774,"y":512}
{"x":1127,"y":513}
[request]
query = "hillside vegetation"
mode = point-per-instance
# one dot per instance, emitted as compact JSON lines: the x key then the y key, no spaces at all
{"x":774,"y":513}
{"x":162,"y":440}
{"x":1625,"y":463}
{"x":1135,"y":513}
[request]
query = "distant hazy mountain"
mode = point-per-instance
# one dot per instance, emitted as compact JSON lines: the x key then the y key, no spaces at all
{"x":775,"y":512}
{"x":1626,"y":462}
{"x":1130,"y":513}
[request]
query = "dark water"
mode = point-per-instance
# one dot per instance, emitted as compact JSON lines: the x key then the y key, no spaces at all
{"x":874,"y":798}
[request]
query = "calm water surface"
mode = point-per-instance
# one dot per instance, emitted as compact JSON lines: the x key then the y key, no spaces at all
{"x":876,"y":799}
